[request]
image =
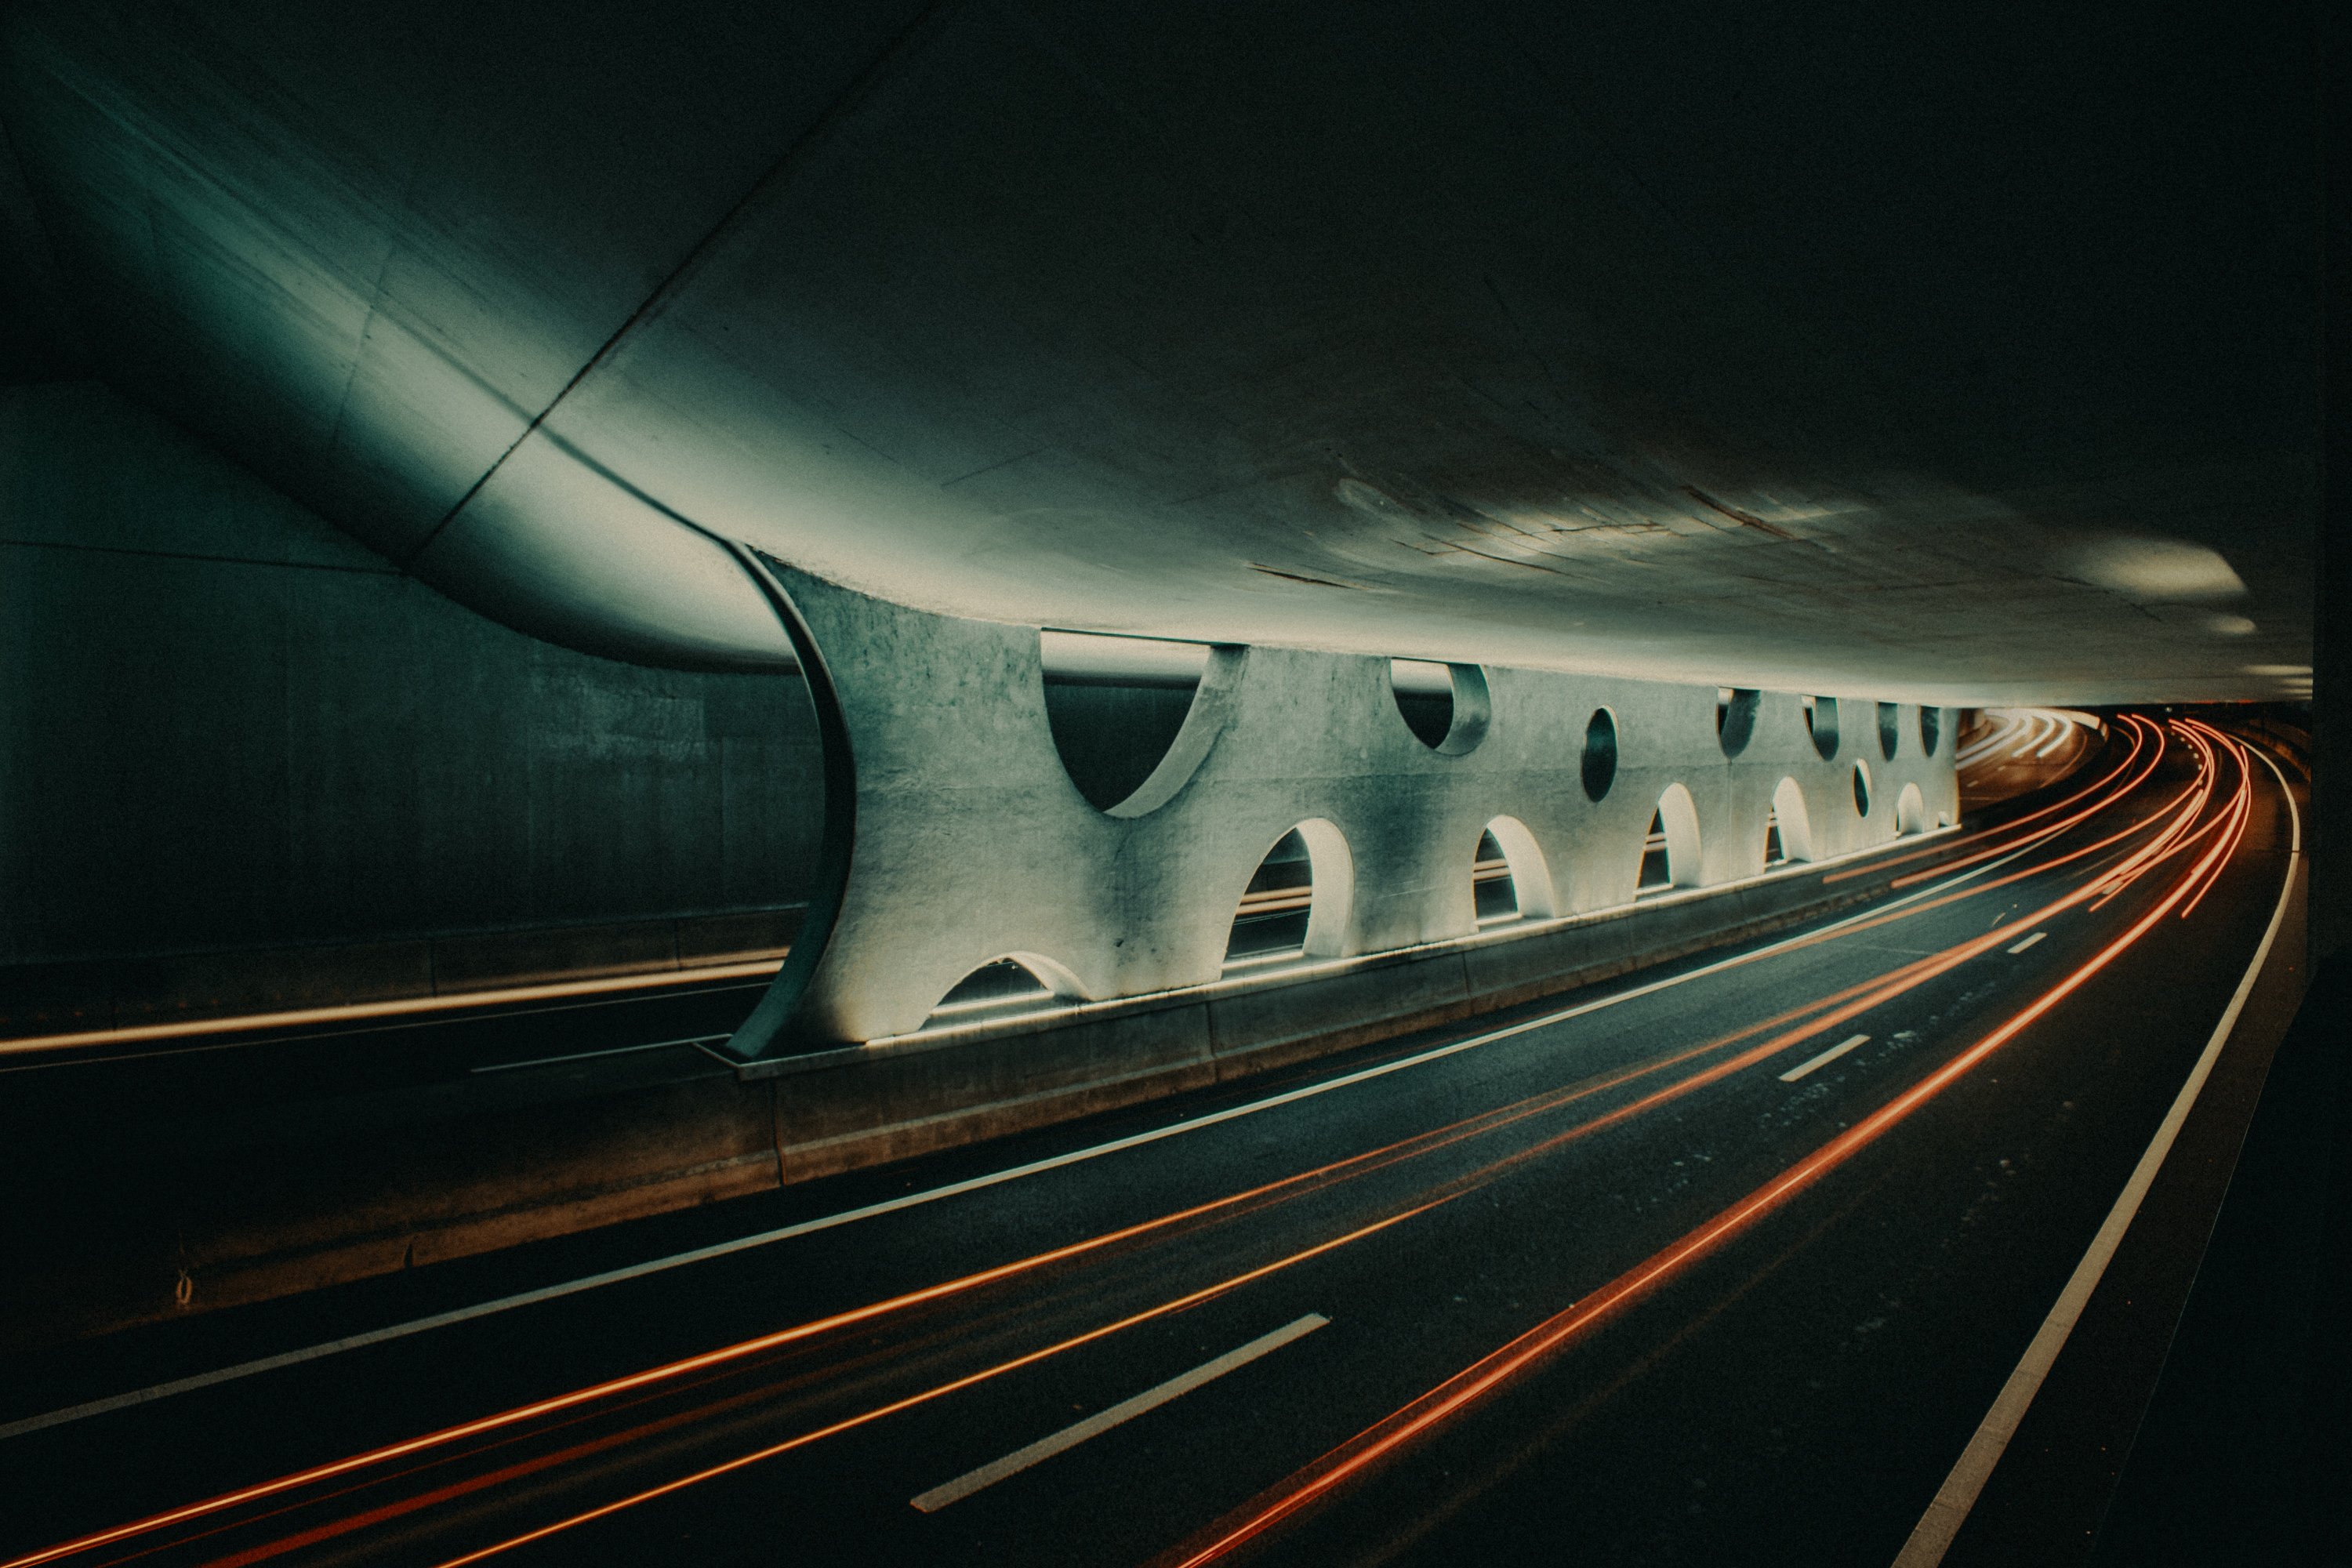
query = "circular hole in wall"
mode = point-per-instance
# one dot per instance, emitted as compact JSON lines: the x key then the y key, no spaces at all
{"x":1493,"y":895}
{"x":1931,"y":730}
{"x":1861,"y":790}
{"x":1444,"y":705}
{"x":1792,"y":822}
{"x":1910,"y":810}
{"x":1599,"y":753}
{"x":1822,"y":724}
{"x":1006,"y":985}
{"x":1890,"y":729}
{"x":1272,"y":919}
{"x":1735,"y":718}
{"x":1115,"y":705}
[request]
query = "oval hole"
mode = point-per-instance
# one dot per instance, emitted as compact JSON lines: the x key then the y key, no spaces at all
{"x":991,"y":991}
{"x":1931,"y":728}
{"x":1861,"y":790}
{"x":1115,"y":705}
{"x":1890,"y":729}
{"x":1791,"y":821}
{"x":1444,"y":705}
{"x":1599,"y":753}
{"x":1822,"y":724}
{"x":1276,"y":906}
{"x":1657,"y":864}
{"x":1670,"y":850}
{"x":1910,"y":811}
{"x":1735,"y":718}
{"x":1490,"y":883}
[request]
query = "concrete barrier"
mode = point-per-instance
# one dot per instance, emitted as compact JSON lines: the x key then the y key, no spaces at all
{"x":165,"y":1208}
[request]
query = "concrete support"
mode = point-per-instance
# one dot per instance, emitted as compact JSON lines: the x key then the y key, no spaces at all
{"x":969,"y":843}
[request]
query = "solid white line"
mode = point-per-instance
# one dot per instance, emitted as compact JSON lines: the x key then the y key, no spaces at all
{"x":1933,"y":1535}
{"x":1126,"y":1410}
{"x":2029,"y":941}
{"x":1827,"y":1056}
{"x":952,"y":1189}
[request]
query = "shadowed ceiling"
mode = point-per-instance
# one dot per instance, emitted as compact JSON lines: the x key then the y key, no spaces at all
{"x":1959,"y":357}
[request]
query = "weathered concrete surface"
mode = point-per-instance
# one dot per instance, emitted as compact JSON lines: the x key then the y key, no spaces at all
{"x":971,"y":844}
{"x":244,"y":762}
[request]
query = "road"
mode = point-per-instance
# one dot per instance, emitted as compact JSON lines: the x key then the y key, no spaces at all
{"x":1726,"y":1265}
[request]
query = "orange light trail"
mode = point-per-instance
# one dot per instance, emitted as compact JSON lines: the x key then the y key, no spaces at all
{"x":711,"y":1472}
{"x":1844,"y":1005}
{"x":1385,"y":1436}
{"x":2042,"y":835}
{"x":2138,"y":740}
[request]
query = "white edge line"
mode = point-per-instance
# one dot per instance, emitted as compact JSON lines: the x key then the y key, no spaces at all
{"x":1126,"y":1410}
{"x":1827,"y":1056}
{"x":952,"y":1189}
{"x":1933,"y":1535}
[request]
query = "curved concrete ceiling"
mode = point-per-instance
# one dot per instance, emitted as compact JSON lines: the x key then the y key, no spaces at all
{"x":1963,"y":358}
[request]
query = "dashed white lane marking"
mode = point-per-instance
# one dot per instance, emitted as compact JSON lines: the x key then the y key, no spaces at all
{"x":1126,"y":1410}
{"x":1827,"y":1056}
{"x":2029,"y":941}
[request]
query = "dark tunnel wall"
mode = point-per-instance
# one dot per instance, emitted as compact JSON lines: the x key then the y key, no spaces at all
{"x":224,"y":725}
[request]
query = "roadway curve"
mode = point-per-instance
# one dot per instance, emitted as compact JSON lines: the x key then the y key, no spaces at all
{"x":1624,"y":1279}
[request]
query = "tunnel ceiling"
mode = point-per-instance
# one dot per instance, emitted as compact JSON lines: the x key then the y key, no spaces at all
{"x":1963,"y":357}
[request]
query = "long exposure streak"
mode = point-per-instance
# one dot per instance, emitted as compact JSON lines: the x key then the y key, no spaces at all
{"x":2177,"y":833}
{"x":1359,"y":1453}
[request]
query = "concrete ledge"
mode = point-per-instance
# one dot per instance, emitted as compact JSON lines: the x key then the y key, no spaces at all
{"x":901,"y":1104}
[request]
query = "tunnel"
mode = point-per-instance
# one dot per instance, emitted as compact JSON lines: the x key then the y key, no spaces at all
{"x":1287,"y":784}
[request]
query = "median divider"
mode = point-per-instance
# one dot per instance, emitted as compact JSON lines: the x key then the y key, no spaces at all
{"x":161,"y":1213}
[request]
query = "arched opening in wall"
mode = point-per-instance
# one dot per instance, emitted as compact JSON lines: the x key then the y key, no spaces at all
{"x":1509,"y":877}
{"x":1910,"y":810}
{"x":1735,"y":718}
{"x":1298,"y":901}
{"x":1775,"y":852}
{"x":1792,"y":822}
{"x":1444,"y":705}
{"x":1115,"y":706}
{"x":1670,"y":849}
{"x":1890,"y":729}
{"x":1490,"y":883}
{"x":1020,"y":983}
{"x":1931,"y":728}
{"x":1822,"y":724}
{"x":1861,"y":790}
{"x":1599,"y":765}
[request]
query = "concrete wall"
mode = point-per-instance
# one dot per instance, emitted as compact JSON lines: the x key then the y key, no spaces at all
{"x":162,"y":1212}
{"x":226,"y":727}
{"x":972,"y":844}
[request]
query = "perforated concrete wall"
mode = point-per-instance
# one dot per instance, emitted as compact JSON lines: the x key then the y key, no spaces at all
{"x":971,"y":843}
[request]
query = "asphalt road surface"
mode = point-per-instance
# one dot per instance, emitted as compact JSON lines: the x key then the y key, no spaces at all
{"x":1722,"y":1267}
